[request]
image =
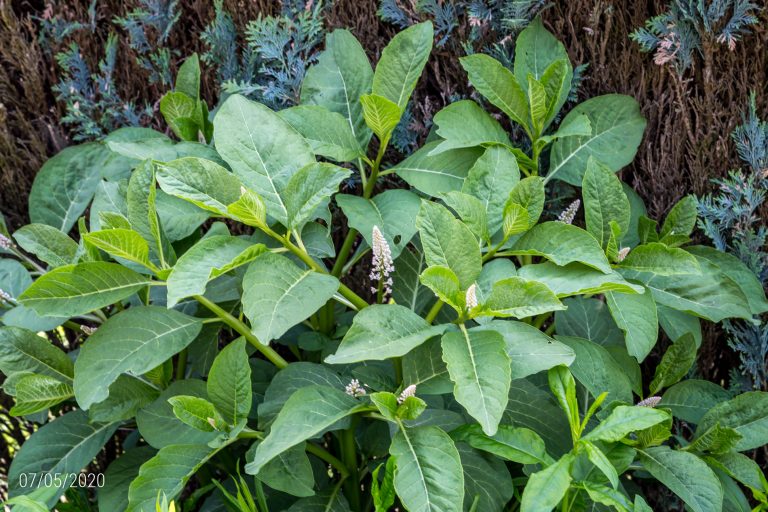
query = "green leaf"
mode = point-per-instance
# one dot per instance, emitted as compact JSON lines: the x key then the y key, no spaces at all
{"x":590,"y":319}
{"x":563,"y":386}
{"x":381,"y":115}
{"x":203,"y":183}
{"x":133,"y":341}
{"x":166,"y":474}
{"x":681,"y":219}
{"x":429,"y":476}
{"x":160,"y":427}
{"x":65,"y":445}
{"x":464,"y":124}
{"x":330,"y":500}
{"x":528,"y":193}
{"x":141,"y":199}
{"x":516,"y":444}
{"x":308,"y":412}
{"x":262,"y":149}
{"x":491,"y":180}
{"x":393,"y":212}
{"x":534,"y":407}
{"x":383,"y":493}
{"x":538,"y":53}
{"x":657,"y":258}
{"x":479,"y":366}
{"x":471,"y":211}
{"x":179,"y":109}
{"x":604,"y":201}
{"x":383,"y":331}
{"x":624,"y":420}
{"x":617,"y":129}
{"x":309,"y":190}
{"x":328,"y":133}
{"x":546,"y":488}
{"x":47,"y":243}
{"x":119,"y":475}
{"x":196,"y":412}
{"x":448,"y":242}
{"x":24,"y":351}
{"x":229,"y":382}
{"x":498,"y":85}
{"x":675,"y":363}
{"x":597,"y":370}
{"x":65,"y":185}
{"x":402,"y":62}
{"x":278,"y":294}
{"x":289,"y":472}
{"x":188,"y":77}
{"x":77,"y":289}
{"x":711,"y":295}
{"x":342,"y":74}
{"x":122,"y":243}
{"x":686,"y":475}
{"x":716,"y":439}
{"x":690,"y":399}
{"x":601,"y":462}
{"x":249,"y":209}
{"x":740,"y":467}
{"x":36,"y":393}
{"x":207,"y":259}
{"x":610,"y":497}
{"x":424,"y":368}
{"x":126,"y":396}
{"x":530,"y":350}
{"x":577,"y":279}
{"x":537,"y":104}
{"x":562,"y":244}
{"x":636,"y":315}
{"x":520,"y":298}
{"x":747,"y":413}
{"x":487,"y":482}
{"x":437,"y":174}
{"x":445,"y":285}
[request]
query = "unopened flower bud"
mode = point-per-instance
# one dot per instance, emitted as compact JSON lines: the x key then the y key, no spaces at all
{"x":569,"y":213}
{"x":409,"y":391}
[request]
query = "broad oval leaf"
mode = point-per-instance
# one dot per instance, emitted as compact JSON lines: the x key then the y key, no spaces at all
{"x":623,"y":420}
{"x":229,"y":383}
{"x":401,"y":63}
{"x":546,"y":488}
{"x":47,"y":243}
{"x":746,"y":413}
{"x":562,"y":244}
{"x":577,"y":279}
{"x":36,"y":393}
{"x":491,"y":180}
{"x":203,"y":183}
{"x":597,"y":370}
{"x":636,"y":315}
{"x":464,"y":124}
{"x":437,"y":174}
{"x":520,"y":298}
{"x":329,"y":133}
{"x":604,"y":201}
{"x":24,"y":351}
{"x":690,"y":399}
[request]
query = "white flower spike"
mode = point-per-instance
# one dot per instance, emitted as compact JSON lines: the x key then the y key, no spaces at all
{"x":382,"y":263}
{"x":569,"y":213}
{"x":409,"y":391}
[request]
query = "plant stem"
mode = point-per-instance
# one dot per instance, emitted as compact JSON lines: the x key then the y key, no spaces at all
{"x":343,"y":256}
{"x":325,"y":455}
{"x":181,"y":365}
{"x":349,"y":456}
{"x":434,"y":311}
{"x":244,"y":330}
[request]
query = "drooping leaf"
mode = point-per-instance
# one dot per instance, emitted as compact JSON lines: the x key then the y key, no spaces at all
{"x":36,"y":393}
{"x":577,"y":279}
{"x":133,"y":341}
{"x":636,"y":315}
{"x":24,"y":351}
{"x":675,"y":363}
{"x":47,"y":243}
{"x":562,"y":244}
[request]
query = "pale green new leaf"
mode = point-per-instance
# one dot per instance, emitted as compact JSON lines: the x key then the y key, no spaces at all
{"x":381,"y":115}
{"x":491,"y":179}
{"x":464,"y":124}
{"x":636,"y":315}
{"x":528,"y":193}
{"x":516,"y":444}
{"x":546,"y":488}
{"x":277,"y":294}
{"x":47,"y":243}
{"x":77,"y":289}
{"x":309,"y":190}
{"x":402,"y":62}
{"x":122,"y":243}
{"x":205,"y":184}
{"x":36,"y":393}
{"x":249,"y":209}
{"x":479,"y":366}
{"x":520,"y":298}
{"x":229,"y":382}
{"x":445,"y":285}
{"x":429,"y":477}
{"x":601,"y":462}
{"x":196,"y":412}
{"x":133,"y":341}
{"x":308,"y":412}
{"x":681,"y":219}
{"x":624,"y":420}
{"x":661,"y":260}
{"x":471,"y":211}
{"x":329,"y":133}
{"x":537,"y":104}
{"x":383,"y":331}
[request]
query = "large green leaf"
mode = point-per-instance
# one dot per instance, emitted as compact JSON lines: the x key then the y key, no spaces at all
{"x":141,"y":198}
{"x":429,"y":476}
{"x":681,"y":219}
{"x":464,"y":124}
{"x":393,"y":212}
{"x":617,"y":129}
{"x":686,"y":475}
{"x":47,"y":243}
{"x":289,"y":472}
{"x":65,"y":445}
{"x":485,"y":479}
{"x":498,"y":85}
{"x":134,"y":341}
{"x":166,"y":474}
{"x":588,"y":318}
{"x":533,"y":407}
{"x":406,"y":287}
{"x":122,"y":243}
{"x":206,"y":260}
{"x":448,"y":242}
{"x":577,"y":279}
{"x":329,"y":133}
{"x":479,"y":366}
{"x":675,"y":363}
{"x":401,"y":63}
{"x":77,"y":289}
{"x":262,"y":149}
{"x":623,"y":420}
{"x":562,"y":244}
{"x":119,"y":475}
{"x":604,"y":201}
{"x":330,"y":500}
{"x":520,"y":298}
{"x":690,"y":399}
{"x":746,"y":413}
{"x":229,"y":382}
{"x":516,"y":444}
{"x":530,"y":350}
{"x":308,"y":412}
{"x":636,"y":315}
{"x":342,"y":74}
{"x":381,"y":332}
{"x":491,"y":179}
{"x":204,"y":183}
{"x":437,"y":174}
{"x":657,"y":258}
{"x":546,"y":488}
{"x":597,"y":370}
{"x":36,"y":393}
{"x":424,"y":368}
{"x":127,"y":395}
{"x":65,"y":185}
{"x":277,"y":294}
{"x":711,"y":295}
{"x":24,"y":351}
{"x":310,"y":190}
{"x":528,"y":193}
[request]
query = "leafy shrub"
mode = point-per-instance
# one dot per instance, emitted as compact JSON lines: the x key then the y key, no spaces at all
{"x":437,"y":382}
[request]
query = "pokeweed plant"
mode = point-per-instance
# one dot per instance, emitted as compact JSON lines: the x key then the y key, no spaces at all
{"x":489,"y":362}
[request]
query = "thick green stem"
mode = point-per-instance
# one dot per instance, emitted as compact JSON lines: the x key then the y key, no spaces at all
{"x":325,"y":455}
{"x":349,"y":456}
{"x":181,"y":365}
{"x":346,"y":249}
{"x":243,"y":330}
{"x":434,"y":311}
